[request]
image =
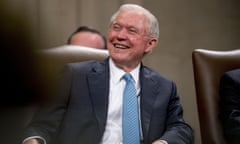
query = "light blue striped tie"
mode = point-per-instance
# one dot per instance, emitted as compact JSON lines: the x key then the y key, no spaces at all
{"x":130,"y":120}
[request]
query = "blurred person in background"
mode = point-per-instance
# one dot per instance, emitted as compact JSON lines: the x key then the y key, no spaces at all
{"x":21,"y":80}
{"x":89,"y":37}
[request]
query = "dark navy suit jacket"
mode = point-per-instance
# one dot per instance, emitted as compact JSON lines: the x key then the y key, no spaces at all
{"x":230,"y":105}
{"x":79,"y":114}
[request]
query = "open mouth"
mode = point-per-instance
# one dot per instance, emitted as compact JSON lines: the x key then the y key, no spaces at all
{"x":121,"y":46}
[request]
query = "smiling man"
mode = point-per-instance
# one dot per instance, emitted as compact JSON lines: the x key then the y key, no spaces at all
{"x":91,"y":103}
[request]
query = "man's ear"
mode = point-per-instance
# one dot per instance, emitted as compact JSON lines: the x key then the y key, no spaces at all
{"x":152,"y":43}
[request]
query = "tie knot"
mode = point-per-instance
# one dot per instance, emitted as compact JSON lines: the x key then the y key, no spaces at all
{"x":127,"y":77}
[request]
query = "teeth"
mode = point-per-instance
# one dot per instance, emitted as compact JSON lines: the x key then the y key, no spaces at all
{"x":120,"y":46}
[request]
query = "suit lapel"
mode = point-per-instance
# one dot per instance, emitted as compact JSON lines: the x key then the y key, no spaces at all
{"x":98,"y":80}
{"x":149,"y":92}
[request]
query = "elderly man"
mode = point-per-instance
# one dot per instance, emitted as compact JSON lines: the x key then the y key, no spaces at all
{"x":118,"y":100}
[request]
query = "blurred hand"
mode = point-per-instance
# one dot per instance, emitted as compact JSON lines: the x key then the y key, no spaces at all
{"x":159,"y":142}
{"x":32,"y":141}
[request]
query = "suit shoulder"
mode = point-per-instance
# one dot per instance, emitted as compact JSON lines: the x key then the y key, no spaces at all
{"x":232,"y":75}
{"x":155,"y":75}
{"x":233,"y":72}
{"x":80,"y":64}
{"x":84,"y":66}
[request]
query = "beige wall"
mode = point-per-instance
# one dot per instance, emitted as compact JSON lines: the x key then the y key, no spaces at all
{"x":184,"y":26}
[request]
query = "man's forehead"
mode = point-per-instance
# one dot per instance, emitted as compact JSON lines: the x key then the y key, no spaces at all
{"x":131,"y":19}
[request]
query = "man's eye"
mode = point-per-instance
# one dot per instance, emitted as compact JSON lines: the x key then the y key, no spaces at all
{"x":132,"y":31}
{"x":116,"y":27}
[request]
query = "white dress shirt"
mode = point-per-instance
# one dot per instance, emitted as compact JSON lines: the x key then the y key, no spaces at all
{"x":113,"y":129}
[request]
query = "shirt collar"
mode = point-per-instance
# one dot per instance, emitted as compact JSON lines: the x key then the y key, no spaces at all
{"x":117,"y":73}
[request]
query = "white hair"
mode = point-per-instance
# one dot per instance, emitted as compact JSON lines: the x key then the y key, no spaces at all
{"x":153,"y":22}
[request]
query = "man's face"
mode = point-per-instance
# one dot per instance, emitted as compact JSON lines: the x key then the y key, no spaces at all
{"x":87,"y":39}
{"x":128,"y":39}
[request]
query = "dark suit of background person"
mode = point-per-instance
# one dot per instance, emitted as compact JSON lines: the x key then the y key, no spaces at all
{"x":80,"y":112}
{"x":230,"y":105}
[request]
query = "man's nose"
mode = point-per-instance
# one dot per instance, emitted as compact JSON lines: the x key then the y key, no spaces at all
{"x":122,"y":34}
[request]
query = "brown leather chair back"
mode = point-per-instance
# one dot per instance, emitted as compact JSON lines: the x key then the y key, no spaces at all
{"x":208,"y":67}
